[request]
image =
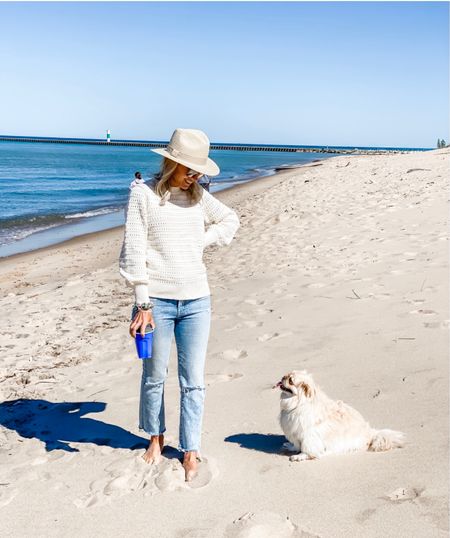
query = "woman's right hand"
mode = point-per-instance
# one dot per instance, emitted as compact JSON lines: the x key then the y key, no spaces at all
{"x":140,"y":322}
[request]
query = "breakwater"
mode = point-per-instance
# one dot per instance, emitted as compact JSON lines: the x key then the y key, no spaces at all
{"x":214,"y":146}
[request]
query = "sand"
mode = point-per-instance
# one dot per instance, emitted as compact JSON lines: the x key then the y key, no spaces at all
{"x":338,"y":268}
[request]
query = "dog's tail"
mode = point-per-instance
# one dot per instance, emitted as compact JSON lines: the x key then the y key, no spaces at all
{"x":386,"y":440}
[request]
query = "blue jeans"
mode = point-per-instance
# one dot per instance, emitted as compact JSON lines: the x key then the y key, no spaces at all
{"x":189,"y":320}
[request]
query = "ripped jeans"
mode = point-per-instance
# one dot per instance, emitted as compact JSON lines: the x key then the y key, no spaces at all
{"x":189,"y":320}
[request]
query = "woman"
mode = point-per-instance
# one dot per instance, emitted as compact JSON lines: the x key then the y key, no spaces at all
{"x":162,"y":259}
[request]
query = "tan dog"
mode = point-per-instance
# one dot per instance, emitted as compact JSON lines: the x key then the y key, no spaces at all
{"x":316,"y":426}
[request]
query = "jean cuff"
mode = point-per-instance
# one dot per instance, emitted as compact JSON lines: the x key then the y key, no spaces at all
{"x":188,"y":449}
{"x":141,"y":429}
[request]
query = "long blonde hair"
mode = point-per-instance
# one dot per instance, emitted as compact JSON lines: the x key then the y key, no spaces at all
{"x":162,"y":178}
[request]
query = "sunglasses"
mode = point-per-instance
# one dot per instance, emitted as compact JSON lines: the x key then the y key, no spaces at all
{"x":192,"y":173}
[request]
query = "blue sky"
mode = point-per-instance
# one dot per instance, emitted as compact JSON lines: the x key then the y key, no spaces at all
{"x":326,"y":73}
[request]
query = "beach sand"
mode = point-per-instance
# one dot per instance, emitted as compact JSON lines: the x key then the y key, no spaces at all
{"x":339,"y":268}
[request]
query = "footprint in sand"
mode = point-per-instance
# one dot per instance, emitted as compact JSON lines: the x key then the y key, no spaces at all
{"x":170,"y":476}
{"x":424,"y":311}
{"x":56,"y":455}
{"x":254,"y":312}
{"x":258,"y":302}
{"x":264,"y":525}
{"x":219,"y":317}
{"x":278,"y":290}
{"x":314,"y":285}
{"x":122,"y":478}
{"x":207,"y":471}
{"x":220,"y":378}
{"x":252,"y":323}
{"x":272,"y":336}
{"x":267,"y":336}
{"x":127,"y":475}
{"x":404,"y":494}
{"x":233,"y":354}
{"x":248,"y":324}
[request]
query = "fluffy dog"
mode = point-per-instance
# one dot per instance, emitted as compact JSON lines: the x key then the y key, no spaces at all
{"x":316,"y":426}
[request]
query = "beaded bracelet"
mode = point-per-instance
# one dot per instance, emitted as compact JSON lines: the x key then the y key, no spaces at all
{"x":144,"y":307}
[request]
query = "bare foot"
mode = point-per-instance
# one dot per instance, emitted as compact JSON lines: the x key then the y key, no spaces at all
{"x":190,"y":465}
{"x":153,"y":453}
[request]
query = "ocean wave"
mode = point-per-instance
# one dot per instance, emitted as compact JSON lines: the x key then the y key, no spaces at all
{"x":31,"y":220}
{"x":54,"y":219}
{"x":15,"y":234}
{"x":21,"y":227}
{"x":93,"y":213}
{"x":252,"y":173}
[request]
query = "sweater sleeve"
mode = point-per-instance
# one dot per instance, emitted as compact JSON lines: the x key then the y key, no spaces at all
{"x":132,"y":261}
{"x":223,"y":221}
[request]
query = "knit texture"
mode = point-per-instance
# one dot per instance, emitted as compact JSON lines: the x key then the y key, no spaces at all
{"x":162,"y":250}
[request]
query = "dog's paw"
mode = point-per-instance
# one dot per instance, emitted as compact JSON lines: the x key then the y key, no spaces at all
{"x":299,"y":457}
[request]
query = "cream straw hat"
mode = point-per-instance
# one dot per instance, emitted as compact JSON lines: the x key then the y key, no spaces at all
{"x":191,"y":148}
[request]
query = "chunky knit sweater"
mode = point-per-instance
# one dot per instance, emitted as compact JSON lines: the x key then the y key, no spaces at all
{"x":164,"y":238}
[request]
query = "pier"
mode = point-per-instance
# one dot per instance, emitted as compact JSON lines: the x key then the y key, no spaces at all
{"x":213,"y":146}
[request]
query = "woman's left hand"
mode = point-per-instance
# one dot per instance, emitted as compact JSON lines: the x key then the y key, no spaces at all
{"x":140,"y":321}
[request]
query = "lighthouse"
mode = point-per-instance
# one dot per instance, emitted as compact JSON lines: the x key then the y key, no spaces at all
{"x":108,"y":135}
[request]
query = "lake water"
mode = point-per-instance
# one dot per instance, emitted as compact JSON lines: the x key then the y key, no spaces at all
{"x":52,"y":192}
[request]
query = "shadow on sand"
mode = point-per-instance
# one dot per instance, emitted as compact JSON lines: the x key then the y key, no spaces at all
{"x":263,"y":442}
{"x":58,"y":424}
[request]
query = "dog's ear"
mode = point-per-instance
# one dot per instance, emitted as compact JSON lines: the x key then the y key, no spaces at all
{"x":307,"y":389}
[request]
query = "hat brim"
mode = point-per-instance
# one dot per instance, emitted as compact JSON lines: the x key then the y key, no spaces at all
{"x":210,"y":168}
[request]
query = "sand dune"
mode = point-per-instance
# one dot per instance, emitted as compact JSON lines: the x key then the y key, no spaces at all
{"x":340,"y":269}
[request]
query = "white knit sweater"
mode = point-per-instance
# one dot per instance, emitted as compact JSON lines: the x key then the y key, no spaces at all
{"x":162,"y":250}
